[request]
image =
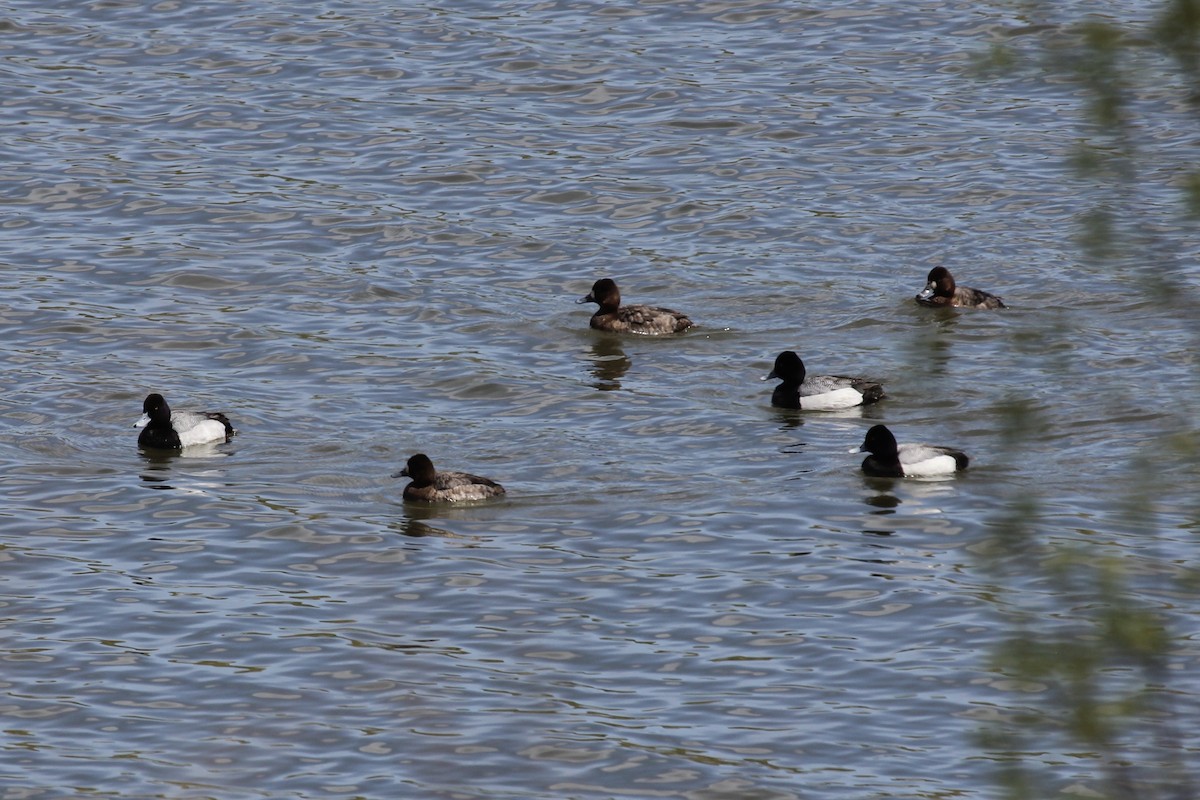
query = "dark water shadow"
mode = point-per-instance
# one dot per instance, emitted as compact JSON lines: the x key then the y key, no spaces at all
{"x":418,"y":517}
{"x":417,"y":528}
{"x":609,"y":363}
{"x":883,"y":504}
{"x":158,"y":464}
{"x":788,"y":418}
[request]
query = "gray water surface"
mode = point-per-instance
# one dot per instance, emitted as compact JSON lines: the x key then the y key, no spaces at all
{"x":360,"y":230}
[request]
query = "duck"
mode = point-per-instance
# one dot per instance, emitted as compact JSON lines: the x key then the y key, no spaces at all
{"x":941,"y":290}
{"x":431,"y":486}
{"x":164,"y":429}
{"x":616,"y":318}
{"x":889,"y":460}
{"x":817,"y":392}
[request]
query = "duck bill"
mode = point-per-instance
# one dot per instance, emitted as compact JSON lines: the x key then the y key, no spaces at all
{"x":926,"y":293}
{"x":588,"y":299}
{"x":143,"y":422}
{"x":770,"y":375}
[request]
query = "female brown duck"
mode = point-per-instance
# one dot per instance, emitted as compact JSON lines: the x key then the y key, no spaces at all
{"x":941,"y":290}
{"x":430,"y":486}
{"x":616,"y":318}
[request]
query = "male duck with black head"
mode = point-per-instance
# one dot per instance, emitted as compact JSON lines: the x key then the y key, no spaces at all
{"x":941,"y":291}
{"x":817,"y":392}
{"x":616,"y":318}
{"x":890,"y":460}
{"x":432,"y":486}
{"x":164,"y":429}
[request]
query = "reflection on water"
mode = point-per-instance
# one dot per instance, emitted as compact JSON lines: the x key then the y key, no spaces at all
{"x":788,"y":418}
{"x":158,"y":464}
{"x":883,"y":505}
{"x":884,"y":502}
{"x":609,"y":362}
{"x":418,"y":527}
{"x":416,"y":519}
{"x":936,"y":349}
{"x":794,"y":418}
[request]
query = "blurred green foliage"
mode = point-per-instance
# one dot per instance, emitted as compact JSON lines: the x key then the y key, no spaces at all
{"x":1094,"y":674}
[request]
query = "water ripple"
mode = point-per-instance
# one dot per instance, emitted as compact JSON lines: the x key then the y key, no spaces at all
{"x":360,"y":232}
